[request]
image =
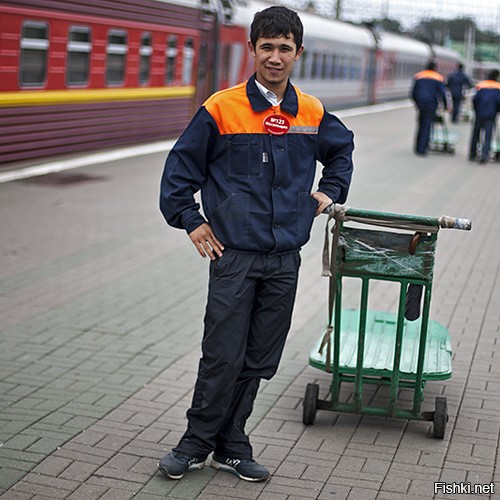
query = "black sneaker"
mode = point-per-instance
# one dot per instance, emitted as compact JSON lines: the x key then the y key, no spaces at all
{"x":174,"y":465}
{"x":249,"y":470}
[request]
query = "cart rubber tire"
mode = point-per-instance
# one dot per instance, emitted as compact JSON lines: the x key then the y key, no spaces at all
{"x":310,"y":404}
{"x":440,"y":418}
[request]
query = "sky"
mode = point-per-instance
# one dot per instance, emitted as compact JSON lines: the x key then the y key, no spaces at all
{"x":410,"y":12}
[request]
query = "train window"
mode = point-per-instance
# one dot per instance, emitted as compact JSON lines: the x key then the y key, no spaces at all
{"x":171,"y":58}
{"x":226,"y":57}
{"x":34,"y":54}
{"x":232,"y":61}
{"x":202,"y":65}
{"x":324,"y":66}
{"x":145,"y":53}
{"x":341,"y":70}
{"x":354,"y":68}
{"x":116,"y":57}
{"x":345,"y":67}
{"x":187,"y":61}
{"x":296,"y":69}
{"x":303,"y":66}
{"x":78,"y":55}
{"x":333,"y":67}
{"x":314,"y":66}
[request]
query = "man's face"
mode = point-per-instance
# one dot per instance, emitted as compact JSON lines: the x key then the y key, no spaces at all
{"x":274,"y":59}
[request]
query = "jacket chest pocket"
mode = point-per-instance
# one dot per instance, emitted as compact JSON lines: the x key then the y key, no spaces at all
{"x":246,"y":158}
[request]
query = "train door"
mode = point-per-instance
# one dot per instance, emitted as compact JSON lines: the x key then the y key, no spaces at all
{"x":374,"y":58}
{"x":234,"y":57}
{"x":205,"y":67}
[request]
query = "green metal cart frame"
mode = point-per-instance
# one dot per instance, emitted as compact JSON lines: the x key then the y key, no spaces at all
{"x":376,"y":347}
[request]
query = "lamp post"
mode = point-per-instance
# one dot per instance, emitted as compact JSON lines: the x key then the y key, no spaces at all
{"x":338,"y":9}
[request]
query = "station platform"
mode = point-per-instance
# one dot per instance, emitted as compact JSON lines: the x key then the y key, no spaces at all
{"x":102,"y":306}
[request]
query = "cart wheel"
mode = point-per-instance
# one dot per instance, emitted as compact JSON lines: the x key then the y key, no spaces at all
{"x":440,"y":418}
{"x":310,"y":404}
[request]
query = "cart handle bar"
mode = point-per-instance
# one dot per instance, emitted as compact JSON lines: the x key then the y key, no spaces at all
{"x":343,"y":212}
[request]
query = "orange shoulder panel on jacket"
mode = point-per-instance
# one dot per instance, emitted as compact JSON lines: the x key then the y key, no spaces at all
{"x":310,"y":114}
{"x":233,"y":114}
{"x":430,"y":74}
{"x":488,"y":84}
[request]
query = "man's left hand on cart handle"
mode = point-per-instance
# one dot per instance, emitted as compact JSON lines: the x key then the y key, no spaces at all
{"x":323,"y":200}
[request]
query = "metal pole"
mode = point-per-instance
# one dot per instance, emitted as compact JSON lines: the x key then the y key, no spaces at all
{"x":469,"y":43}
{"x":338,"y":9}
{"x":385,"y":9}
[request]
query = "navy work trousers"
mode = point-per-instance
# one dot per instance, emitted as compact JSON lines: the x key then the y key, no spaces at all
{"x":425,"y":119}
{"x":486,"y":126}
{"x":457,"y":102}
{"x":248,"y":316}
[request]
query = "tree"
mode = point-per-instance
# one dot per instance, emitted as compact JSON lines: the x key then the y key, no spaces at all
{"x":388,"y":24}
{"x":439,"y":30}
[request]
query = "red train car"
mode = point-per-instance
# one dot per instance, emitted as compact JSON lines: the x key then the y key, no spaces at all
{"x":110,"y":73}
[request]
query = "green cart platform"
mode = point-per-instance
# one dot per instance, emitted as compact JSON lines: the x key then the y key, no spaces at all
{"x":442,"y":139}
{"x":400,"y":350}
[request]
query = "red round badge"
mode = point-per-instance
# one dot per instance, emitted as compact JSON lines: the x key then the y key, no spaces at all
{"x":276,"y":124}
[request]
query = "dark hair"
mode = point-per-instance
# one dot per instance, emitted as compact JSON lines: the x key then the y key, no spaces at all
{"x":432,"y":65}
{"x":493,"y":74}
{"x":274,"y":22}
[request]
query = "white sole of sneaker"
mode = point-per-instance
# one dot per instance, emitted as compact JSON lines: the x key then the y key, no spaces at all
{"x":190,"y":468}
{"x":228,"y":468}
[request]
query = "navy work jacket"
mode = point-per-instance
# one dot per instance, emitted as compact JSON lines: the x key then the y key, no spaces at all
{"x":457,"y":82}
{"x":428,"y":89}
{"x":256,"y":186}
{"x":487,"y":99}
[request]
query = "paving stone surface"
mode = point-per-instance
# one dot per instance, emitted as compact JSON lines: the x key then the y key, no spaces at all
{"x":102,"y":308}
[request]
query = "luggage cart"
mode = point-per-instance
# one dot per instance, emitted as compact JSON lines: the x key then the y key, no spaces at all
{"x":376,"y":347}
{"x":442,"y":139}
{"x":495,"y":144}
{"x":467,"y":109}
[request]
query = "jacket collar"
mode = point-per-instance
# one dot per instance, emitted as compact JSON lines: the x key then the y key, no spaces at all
{"x":430,"y":74}
{"x":488,"y":84}
{"x":290,"y":102}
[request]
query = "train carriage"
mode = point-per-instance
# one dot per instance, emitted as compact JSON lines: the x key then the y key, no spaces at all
{"x":445,"y":58}
{"x":399,"y":58}
{"x":92,"y":76}
{"x":334,"y":65}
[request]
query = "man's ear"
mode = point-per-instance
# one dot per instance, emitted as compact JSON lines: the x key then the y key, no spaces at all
{"x":299,"y":52}
{"x":251,"y":48}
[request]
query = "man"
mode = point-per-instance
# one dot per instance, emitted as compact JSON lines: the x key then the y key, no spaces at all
{"x":486,"y":106}
{"x":252,"y":150}
{"x":428,"y":92}
{"x":458,"y":82}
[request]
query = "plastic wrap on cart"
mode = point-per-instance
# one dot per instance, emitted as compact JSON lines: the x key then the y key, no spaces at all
{"x":381,"y":253}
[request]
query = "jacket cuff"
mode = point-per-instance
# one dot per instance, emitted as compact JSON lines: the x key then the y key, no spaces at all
{"x":193,"y":222}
